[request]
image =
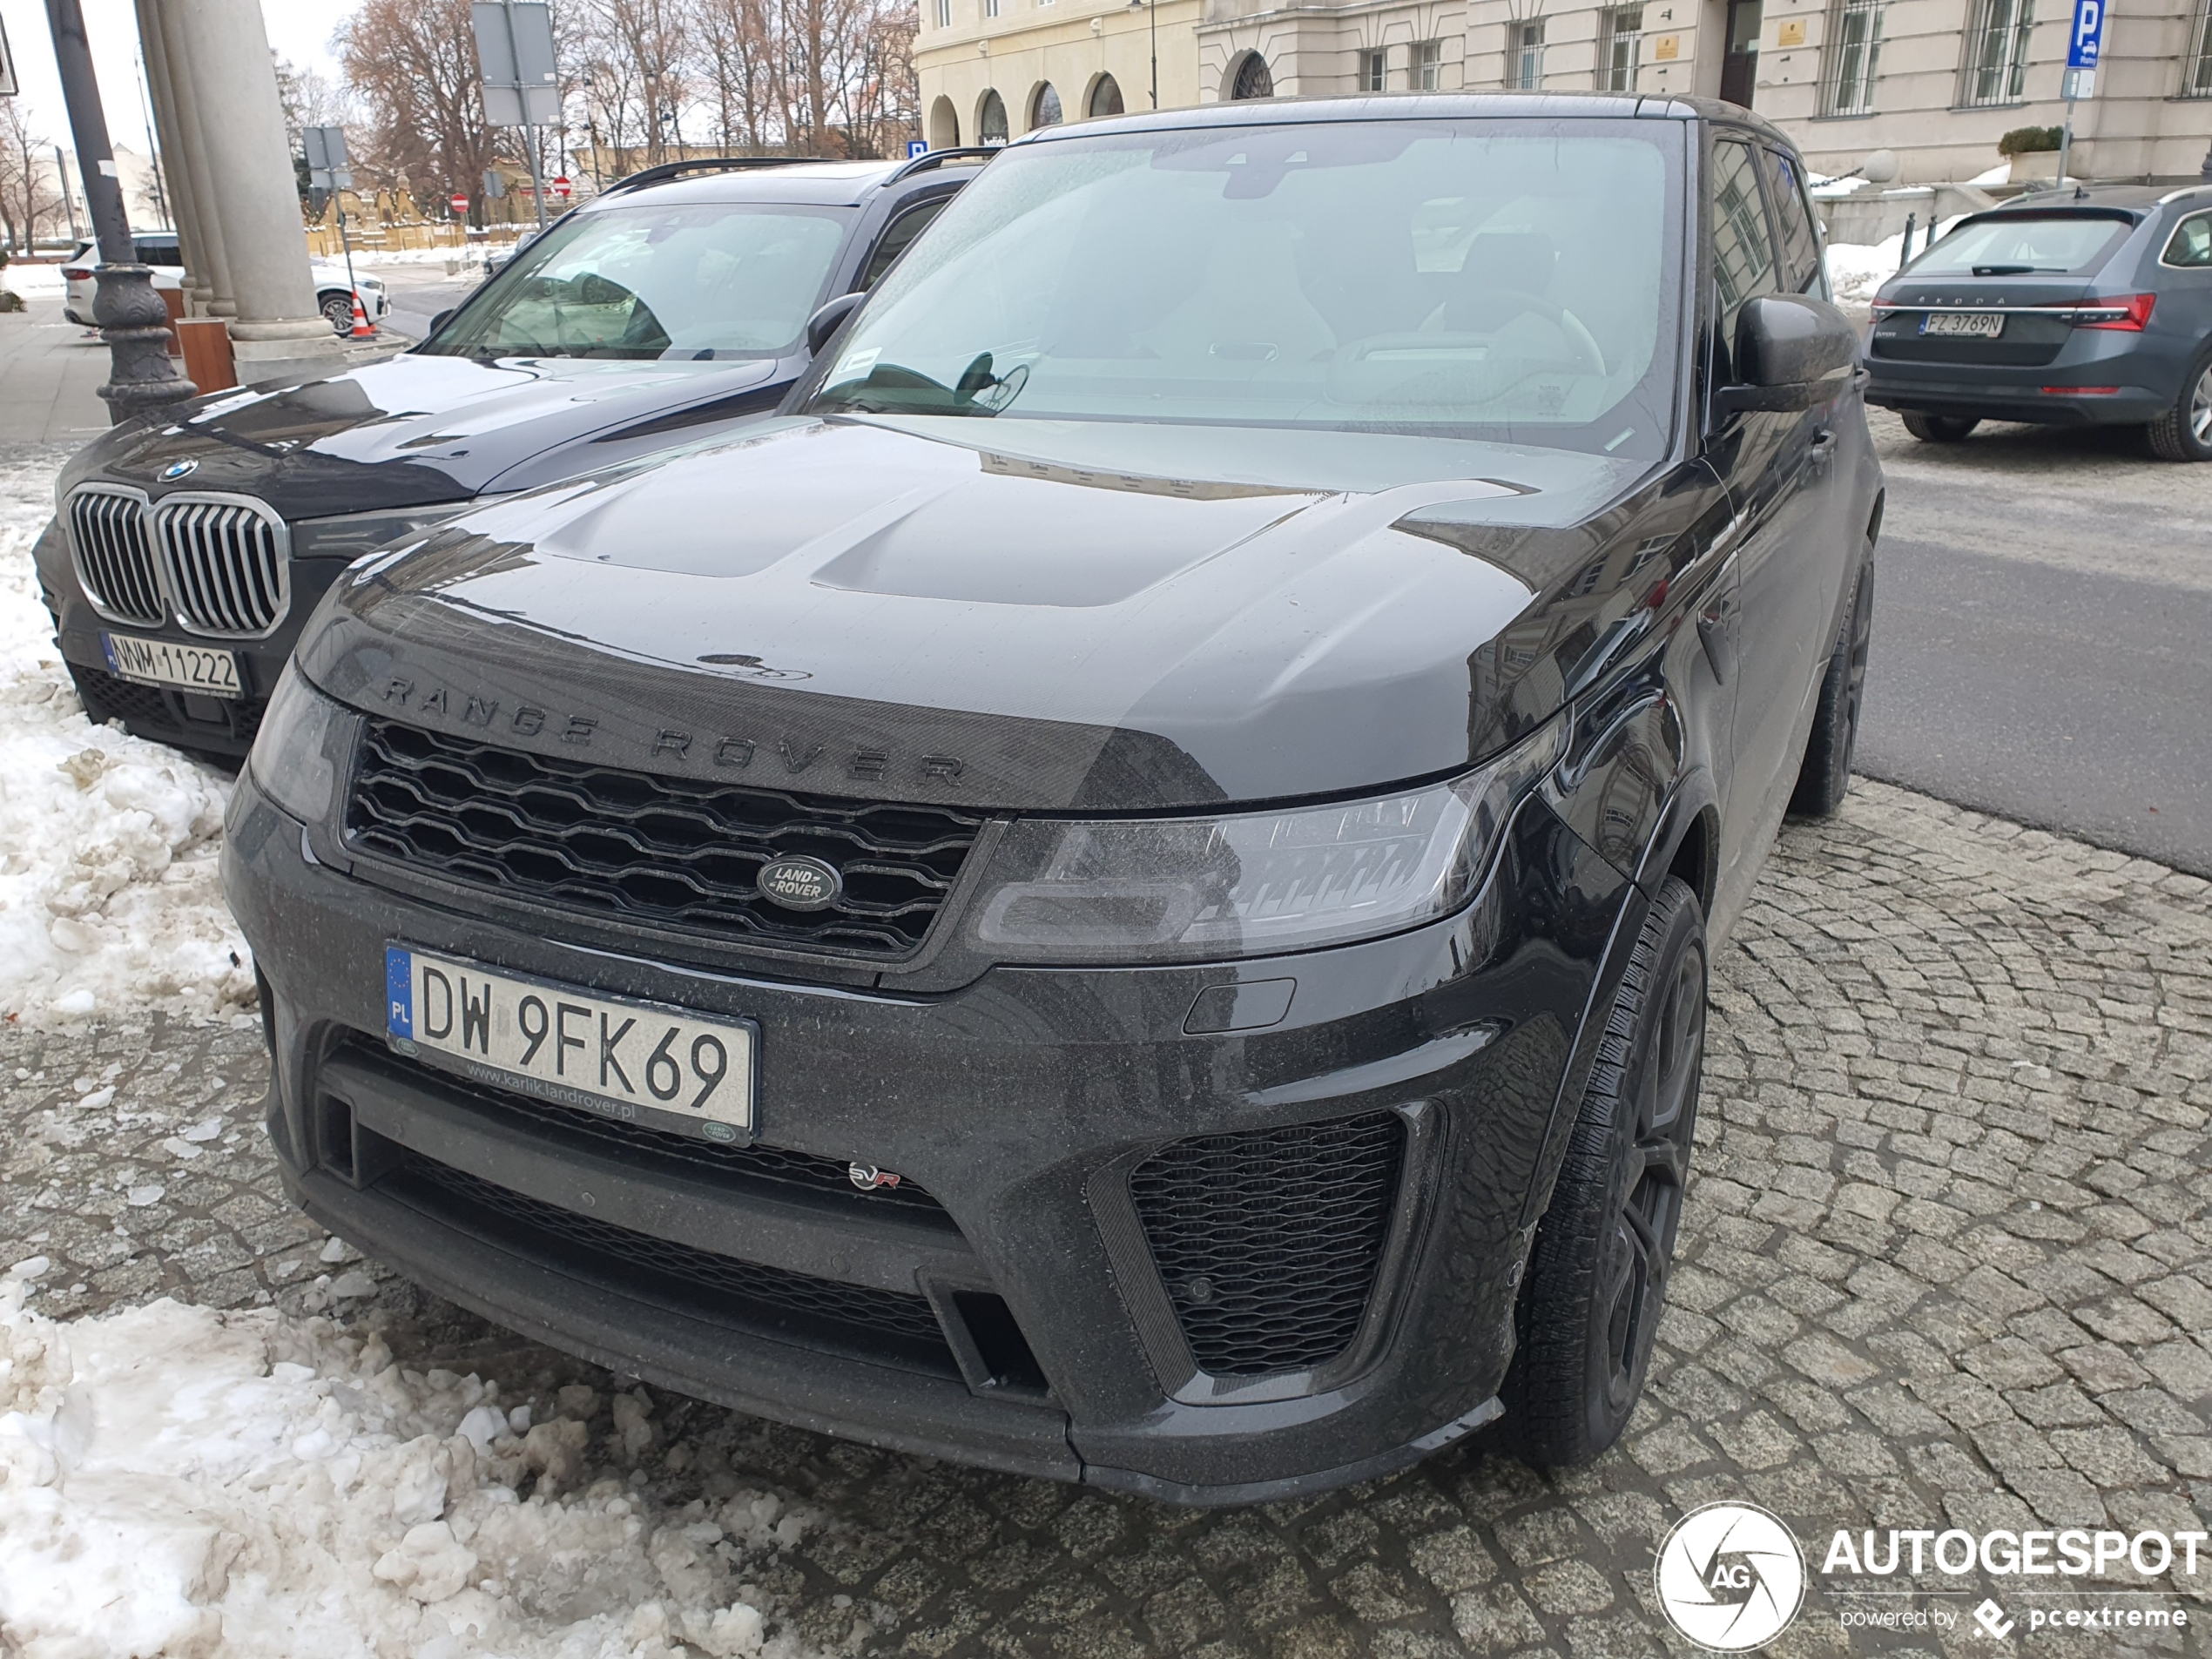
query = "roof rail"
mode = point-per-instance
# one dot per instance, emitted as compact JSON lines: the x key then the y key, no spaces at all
{"x":668,"y":169}
{"x":929,"y":158}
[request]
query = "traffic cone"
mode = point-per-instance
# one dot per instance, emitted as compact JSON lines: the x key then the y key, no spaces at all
{"x":361,"y":330}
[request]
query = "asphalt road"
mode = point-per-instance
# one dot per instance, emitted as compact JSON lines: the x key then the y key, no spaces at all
{"x":418,"y":293}
{"x":2043,"y":636}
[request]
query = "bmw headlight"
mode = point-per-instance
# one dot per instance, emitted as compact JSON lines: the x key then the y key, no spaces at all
{"x":353,"y":534}
{"x":1248,"y":884}
{"x":297,"y":752}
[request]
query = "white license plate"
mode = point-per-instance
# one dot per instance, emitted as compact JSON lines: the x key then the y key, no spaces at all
{"x":637,"y":1061}
{"x":163,"y":662}
{"x":1974,"y":325}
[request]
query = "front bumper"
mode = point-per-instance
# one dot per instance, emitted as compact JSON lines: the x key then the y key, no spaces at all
{"x":1015,"y":1312}
{"x":215,"y":725}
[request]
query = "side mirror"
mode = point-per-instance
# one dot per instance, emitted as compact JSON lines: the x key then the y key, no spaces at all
{"x":1792,"y":352}
{"x":829,"y":319}
{"x":442,"y":318}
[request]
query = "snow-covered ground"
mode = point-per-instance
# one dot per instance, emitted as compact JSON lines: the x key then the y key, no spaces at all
{"x":1855,"y":270}
{"x":108,"y":892}
{"x":181,"y":1482}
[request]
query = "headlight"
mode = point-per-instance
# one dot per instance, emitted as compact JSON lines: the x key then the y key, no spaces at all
{"x":1254,"y":884}
{"x":354,"y":533}
{"x":294,"y":758}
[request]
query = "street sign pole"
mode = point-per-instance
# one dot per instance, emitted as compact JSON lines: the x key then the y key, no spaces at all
{"x":2079,"y":81}
{"x":330,"y":168}
{"x":520,"y":85}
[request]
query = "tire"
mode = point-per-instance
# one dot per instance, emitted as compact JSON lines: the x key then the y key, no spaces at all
{"x":1596,"y":1280}
{"x":1939,"y":428}
{"x":338,"y":308}
{"x":2184,"y":432}
{"x":1823,"y":778}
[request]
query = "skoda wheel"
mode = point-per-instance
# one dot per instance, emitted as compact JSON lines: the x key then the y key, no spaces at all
{"x":1939,"y":429}
{"x":2184,"y":432}
{"x":1824,"y":778}
{"x":1596,"y":1280}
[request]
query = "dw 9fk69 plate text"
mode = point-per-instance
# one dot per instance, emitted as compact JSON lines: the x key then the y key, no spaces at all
{"x":606,"y":1055}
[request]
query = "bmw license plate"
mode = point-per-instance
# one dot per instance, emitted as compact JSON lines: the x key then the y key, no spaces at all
{"x":1971,"y":325}
{"x":163,"y":662}
{"x":641,"y":1062}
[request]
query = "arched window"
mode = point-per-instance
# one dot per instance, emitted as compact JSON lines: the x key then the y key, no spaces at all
{"x":944,"y":125}
{"x":990,"y":119}
{"x":1044,"y":108}
{"x":1105,"y":97}
{"x":1252,"y":79}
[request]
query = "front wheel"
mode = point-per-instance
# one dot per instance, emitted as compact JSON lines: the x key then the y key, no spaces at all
{"x":339,"y":308}
{"x":2184,"y":432}
{"x":1596,"y":1280}
{"x":1939,"y":429}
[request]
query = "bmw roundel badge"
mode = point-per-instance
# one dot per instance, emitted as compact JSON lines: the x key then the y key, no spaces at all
{"x":800,"y":883}
{"x":177,"y":469}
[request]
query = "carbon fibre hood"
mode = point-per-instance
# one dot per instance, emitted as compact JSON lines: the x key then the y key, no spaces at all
{"x":1029,"y":615}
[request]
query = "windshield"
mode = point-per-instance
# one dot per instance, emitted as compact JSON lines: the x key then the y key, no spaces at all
{"x":1503,"y":280}
{"x":701,"y":280}
{"x":2016,"y":245}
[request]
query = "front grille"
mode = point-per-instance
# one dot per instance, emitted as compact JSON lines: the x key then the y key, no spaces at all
{"x":226,"y":562}
{"x":666,"y":851}
{"x":858,"y":1318}
{"x":1269,"y":1242}
{"x":805,"y":1172}
{"x":114,"y":550}
{"x":110,"y":697}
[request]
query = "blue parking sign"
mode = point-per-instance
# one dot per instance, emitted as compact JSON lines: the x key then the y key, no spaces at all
{"x":921,"y":146}
{"x":2088,"y":34}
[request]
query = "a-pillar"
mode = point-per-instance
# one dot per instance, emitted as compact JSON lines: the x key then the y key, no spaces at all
{"x":182,"y":163}
{"x":227,"y":93}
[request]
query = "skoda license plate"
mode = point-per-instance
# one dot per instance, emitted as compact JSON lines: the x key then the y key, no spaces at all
{"x":1973,"y":325}
{"x":162,"y":661}
{"x":638,"y":1061}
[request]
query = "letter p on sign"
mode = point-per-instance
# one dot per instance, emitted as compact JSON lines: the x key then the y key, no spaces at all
{"x":2088,"y":34}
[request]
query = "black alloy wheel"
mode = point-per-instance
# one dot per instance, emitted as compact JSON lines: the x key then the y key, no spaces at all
{"x":1823,"y":778}
{"x":2184,"y":432}
{"x":1596,"y":1280}
{"x":339,"y":308}
{"x":1939,"y":429}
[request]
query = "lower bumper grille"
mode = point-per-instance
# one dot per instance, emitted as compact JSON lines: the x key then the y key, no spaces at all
{"x":870,"y":1324}
{"x":1270,"y":1243}
{"x":109,"y":697}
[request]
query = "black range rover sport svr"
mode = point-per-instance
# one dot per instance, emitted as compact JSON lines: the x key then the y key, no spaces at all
{"x":1123,"y":891}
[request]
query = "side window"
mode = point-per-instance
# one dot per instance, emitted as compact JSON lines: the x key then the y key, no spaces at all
{"x":2191,"y":246}
{"x":1801,"y":269}
{"x":903,"y":228}
{"x":1743,"y":258}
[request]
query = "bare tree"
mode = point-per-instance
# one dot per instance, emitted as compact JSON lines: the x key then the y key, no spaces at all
{"x":413,"y":65}
{"x":737,"y":52}
{"x":28,"y":196}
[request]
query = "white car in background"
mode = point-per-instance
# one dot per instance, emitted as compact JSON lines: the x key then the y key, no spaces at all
{"x":159,"y":249}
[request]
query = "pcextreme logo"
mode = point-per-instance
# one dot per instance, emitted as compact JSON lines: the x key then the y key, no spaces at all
{"x":1730,"y":1576}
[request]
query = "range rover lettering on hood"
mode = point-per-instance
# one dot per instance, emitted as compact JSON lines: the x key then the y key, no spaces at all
{"x":790,"y":756}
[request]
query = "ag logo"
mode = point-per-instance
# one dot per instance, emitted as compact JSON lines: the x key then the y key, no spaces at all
{"x":1730,"y":1576}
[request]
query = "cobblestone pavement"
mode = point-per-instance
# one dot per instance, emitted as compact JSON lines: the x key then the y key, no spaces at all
{"x":1948,"y":1262}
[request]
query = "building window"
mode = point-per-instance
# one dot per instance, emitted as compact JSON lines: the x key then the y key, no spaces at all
{"x":1428,"y":65}
{"x":944,"y":14}
{"x":2197,"y":67}
{"x":1854,"y":56}
{"x":990,"y":8}
{"x":1996,"y":63}
{"x":1044,"y":108}
{"x":1372,"y":71}
{"x":1105,"y":97}
{"x":1620,"y":48}
{"x":1252,"y":80}
{"x":990,"y":117}
{"x":1525,"y":55}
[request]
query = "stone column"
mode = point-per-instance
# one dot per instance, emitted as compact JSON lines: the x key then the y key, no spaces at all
{"x":278,"y":333}
{"x":184,"y":140}
{"x":176,"y":169}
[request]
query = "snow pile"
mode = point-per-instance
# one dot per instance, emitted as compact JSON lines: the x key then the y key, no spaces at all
{"x":473,"y":255}
{"x":1855,"y":270}
{"x":33,"y":281}
{"x":187,"y":1483}
{"x":109,"y":890}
